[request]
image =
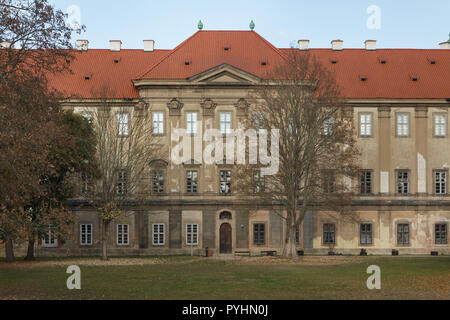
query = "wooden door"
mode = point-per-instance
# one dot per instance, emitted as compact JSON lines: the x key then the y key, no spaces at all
{"x":225,"y":238}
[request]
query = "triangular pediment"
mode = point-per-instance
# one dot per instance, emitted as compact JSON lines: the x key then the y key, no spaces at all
{"x":225,"y":74}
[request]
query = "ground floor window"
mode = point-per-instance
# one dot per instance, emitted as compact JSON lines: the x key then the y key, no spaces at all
{"x":259,"y":234}
{"x":192,"y":234}
{"x":440,"y":234}
{"x":158,"y":234}
{"x":329,"y":233}
{"x":49,"y":238}
{"x":403,"y":233}
{"x":366,"y":233}
{"x":123,"y":234}
{"x":86,"y":234}
{"x":297,"y":235}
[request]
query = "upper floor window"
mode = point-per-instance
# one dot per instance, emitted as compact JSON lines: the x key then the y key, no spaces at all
{"x":258,"y":181}
{"x":122,"y":122}
{"x":225,"y":122}
{"x":402,"y":124}
{"x":440,"y":129}
{"x":158,"y":181}
{"x":258,"y":120}
{"x":328,"y":126}
{"x":328,"y":181}
{"x":440,"y":182}
{"x":402,"y":182}
{"x":440,"y":233}
{"x":123,"y":234}
{"x":366,"y":181}
{"x":365,"y":120}
{"x":122,"y":182}
{"x":85,"y":182}
{"x":191,"y":122}
{"x":191,"y":181}
{"x":158,"y":122}
{"x":225,"y":181}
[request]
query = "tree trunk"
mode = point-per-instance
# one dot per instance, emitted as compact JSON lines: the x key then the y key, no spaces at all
{"x":30,"y":251}
{"x":9,"y":251}
{"x":105,"y":240}
{"x":290,"y":247}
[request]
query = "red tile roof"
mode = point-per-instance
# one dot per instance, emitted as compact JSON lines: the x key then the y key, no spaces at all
{"x":246,"y":50}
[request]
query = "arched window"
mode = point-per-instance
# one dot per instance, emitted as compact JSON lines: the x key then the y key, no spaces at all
{"x":225,"y":215}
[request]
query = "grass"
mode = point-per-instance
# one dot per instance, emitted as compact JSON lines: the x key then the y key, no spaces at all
{"x":184,"y":278}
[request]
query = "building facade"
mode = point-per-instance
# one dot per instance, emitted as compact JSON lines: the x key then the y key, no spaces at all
{"x":400,"y":100}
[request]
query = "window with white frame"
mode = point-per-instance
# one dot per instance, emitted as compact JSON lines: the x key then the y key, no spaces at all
{"x":365,"y":120}
{"x":440,"y":182}
{"x":49,"y":238}
{"x":122,"y":122}
{"x":440,"y":127}
{"x":122,"y":182}
{"x":158,"y":122}
{"x":191,"y":234}
{"x":191,"y":181}
{"x":328,"y":126}
{"x":402,"y":124}
{"x":440,"y":233}
{"x":191,"y":122}
{"x":158,"y":234}
{"x":225,"y":122}
{"x":225,"y":181}
{"x":85,"y":234}
{"x":365,"y":233}
{"x":123,"y":234}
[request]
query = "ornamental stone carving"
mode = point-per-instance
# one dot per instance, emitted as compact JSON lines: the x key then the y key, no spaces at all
{"x":242,"y":107}
{"x":175,"y":107}
{"x":208,"y":107}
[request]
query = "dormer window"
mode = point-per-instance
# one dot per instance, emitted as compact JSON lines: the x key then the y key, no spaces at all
{"x":264,"y":63}
{"x":87,"y":77}
{"x":187,"y":63}
{"x":226,"y":48}
{"x":334,"y":61}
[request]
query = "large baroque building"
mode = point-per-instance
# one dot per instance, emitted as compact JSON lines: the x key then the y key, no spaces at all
{"x":400,"y":100}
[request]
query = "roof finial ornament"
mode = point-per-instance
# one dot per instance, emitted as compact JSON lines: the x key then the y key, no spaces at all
{"x":200,"y":25}
{"x":252,"y":25}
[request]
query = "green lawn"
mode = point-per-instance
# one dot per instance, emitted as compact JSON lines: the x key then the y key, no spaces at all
{"x":199,"y":279}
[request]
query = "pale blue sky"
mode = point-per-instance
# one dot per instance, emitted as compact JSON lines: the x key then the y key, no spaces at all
{"x":404,"y":23}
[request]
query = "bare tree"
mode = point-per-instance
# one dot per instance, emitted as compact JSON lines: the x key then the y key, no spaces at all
{"x":318,"y":156}
{"x":125,"y":148}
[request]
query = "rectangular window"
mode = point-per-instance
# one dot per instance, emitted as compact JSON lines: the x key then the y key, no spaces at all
{"x":365,"y":233}
{"x":225,"y":181}
{"x":85,"y":183}
{"x":258,"y":120}
{"x":402,"y":182}
{"x":366,"y":182}
{"x":259,"y":234}
{"x":49,"y":238}
{"x":122,"y":182}
{"x":191,"y":122}
{"x":328,"y":181}
{"x":258,"y":181}
{"x":365,"y":120}
{"x":297,"y":235}
{"x":85,"y":234}
{"x":158,"y":122}
{"x":440,"y":182}
{"x":123,"y":234}
{"x":225,"y":122}
{"x":403,"y":233}
{"x":329,"y":233}
{"x":328,"y":126}
{"x":402,"y":124}
{"x":158,"y":181}
{"x":440,"y":233}
{"x":440,"y":127}
{"x":158,"y":234}
{"x":122,"y":121}
{"x":191,"y":181}
{"x":191,"y":234}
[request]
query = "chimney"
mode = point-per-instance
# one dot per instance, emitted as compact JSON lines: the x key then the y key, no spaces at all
{"x":5,"y":45}
{"x":149,"y":45}
{"x":82,"y":45}
{"x":371,"y":45}
{"x":115,"y":45}
{"x":337,"y":45}
{"x":445,"y":45}
{"x":303,"y":44}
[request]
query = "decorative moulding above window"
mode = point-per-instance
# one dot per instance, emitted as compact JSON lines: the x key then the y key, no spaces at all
{"x":175,"y":107}
{"x":141,"y":106}
{"x":242,"y":107}
{"x":208,"y":107}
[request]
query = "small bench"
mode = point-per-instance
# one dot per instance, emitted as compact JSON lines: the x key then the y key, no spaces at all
{"x":269,"y":253}
{"x":242,"y":252}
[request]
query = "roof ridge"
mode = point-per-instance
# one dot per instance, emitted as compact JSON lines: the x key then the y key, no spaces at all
{"x":165,"y":57}
{"x":277,"y":50}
